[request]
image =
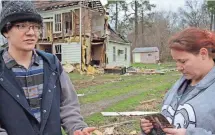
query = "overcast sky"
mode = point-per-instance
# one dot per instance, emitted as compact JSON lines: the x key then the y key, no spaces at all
{"x":166,"y":5}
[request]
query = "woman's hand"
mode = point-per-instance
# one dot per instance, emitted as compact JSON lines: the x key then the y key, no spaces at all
{"x":146,"y":125}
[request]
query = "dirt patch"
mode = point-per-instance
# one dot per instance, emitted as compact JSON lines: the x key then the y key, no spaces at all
{"x":91,"y":108}
{"x":85,"y":84}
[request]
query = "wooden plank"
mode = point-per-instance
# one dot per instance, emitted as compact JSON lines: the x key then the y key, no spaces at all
{"x":80,"y":95}
{"x":148,"y":101}
{"x":62,"y":24}
{"x":134,"y":113}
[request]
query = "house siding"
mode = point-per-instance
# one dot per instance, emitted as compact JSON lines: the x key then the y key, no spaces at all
{"x":71,"y":52}
{"x":120,"y":59}
{"x":86,"y":22}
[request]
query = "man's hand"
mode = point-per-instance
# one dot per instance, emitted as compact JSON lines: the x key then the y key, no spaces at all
{"x":85,"y":131}
{"x":173,"y":131}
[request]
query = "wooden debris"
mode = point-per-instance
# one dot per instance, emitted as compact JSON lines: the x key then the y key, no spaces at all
{"x":91,"y":70}
{"x":134,"y":113}
{"x":80,"y":95}
{"x":117,"y":124}
{"x":115,"y":70}
{"x":97,"y":132}
{"x":68,"y":68}
{"x":109,"y":131}
{"x":148,"y":101}
{"x":134,"y":132}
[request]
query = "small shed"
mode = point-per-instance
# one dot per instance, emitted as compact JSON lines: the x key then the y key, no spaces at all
{"x":145,"y":55}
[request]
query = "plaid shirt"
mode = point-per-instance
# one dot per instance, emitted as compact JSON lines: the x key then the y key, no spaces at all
{"x":31,"y":80}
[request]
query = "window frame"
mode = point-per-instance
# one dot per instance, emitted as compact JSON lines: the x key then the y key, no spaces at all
{"x":114,"y":53}
{"x":57,"y":22}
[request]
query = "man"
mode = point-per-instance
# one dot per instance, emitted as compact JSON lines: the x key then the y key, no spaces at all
{"x":36,"y":95}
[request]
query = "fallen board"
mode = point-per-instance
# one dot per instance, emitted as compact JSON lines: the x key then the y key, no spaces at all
{"x":134,"y":113}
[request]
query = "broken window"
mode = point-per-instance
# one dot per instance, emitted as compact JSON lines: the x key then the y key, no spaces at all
{"x":57,"y":23}
{"x":58,"y":52}
{"x":58,"y":49}
{"x":67,"y":22}
{"x":114,"y":53}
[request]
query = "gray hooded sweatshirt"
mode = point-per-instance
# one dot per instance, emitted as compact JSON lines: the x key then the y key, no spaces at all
{"x":195,"y":110}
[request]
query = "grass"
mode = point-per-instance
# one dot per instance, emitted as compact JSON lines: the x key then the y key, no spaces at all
{"x":78,"y":77}
{"x":63,"y":132}
{"x":126,"y":84}
{"x":154,"y":66}
{"x":129,"y":104}
{"x":108,"y":86}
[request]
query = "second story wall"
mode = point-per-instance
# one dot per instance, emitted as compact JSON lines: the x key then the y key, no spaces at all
{"x":65,"y":22}
{"x":98,"y":22}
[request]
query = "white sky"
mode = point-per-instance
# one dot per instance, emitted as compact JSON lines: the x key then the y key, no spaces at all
{"x":168,"y":5}
{"x":163,"y":5}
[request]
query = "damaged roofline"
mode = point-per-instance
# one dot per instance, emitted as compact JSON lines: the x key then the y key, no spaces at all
{"x":119,"y":42}
{"x":68,"y":9}
{"x":53,"y":8}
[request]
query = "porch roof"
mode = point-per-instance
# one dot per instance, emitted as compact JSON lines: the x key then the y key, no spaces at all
{"x":114,"y":36}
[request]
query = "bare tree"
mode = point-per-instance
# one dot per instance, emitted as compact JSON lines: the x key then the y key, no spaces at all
{"x":136,"y":22}
{"x":194,"y":14}
{"x":117,"y":14}
{"x":116,"y":7}
{"x":211,"y":10}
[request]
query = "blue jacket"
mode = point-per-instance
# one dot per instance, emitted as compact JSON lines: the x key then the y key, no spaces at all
{"x":15,"y":115}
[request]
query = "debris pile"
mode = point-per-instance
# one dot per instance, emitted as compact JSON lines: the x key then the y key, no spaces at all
{"x":115,"y":70}
{"x":125,"y":123}
{"x":91,"y":70}
{"x":120,"y":128}
{"x":134,"y":70}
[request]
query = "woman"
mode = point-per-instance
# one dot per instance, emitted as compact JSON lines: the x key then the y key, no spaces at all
{"x":189,"y":105}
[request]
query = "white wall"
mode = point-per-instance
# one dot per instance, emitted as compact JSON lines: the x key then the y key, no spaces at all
{"x":137,"y":57}
{"x":71,"y":52}
{"x":120,"y":59}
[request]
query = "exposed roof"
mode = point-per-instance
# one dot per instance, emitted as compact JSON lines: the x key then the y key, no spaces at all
{"x":44,"y":5}
{"x":146,"y":49}
{"x":114,"y":36}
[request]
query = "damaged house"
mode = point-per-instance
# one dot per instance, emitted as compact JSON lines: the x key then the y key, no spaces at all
{"x":77,"y":32}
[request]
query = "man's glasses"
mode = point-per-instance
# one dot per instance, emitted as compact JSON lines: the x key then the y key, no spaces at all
{"x":26,"y":27}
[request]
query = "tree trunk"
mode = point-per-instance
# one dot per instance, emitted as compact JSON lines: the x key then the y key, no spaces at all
{"x":142,"y":29}
{"x":136,"y":30}
{"x":136,"y":24}
{"x":116,"y":22}
{"x":211,"y":23}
